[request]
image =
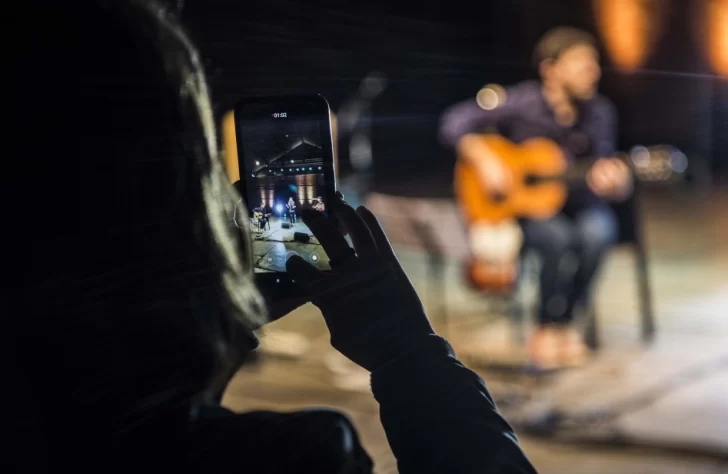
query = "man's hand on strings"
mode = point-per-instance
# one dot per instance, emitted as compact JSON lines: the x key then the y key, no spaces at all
{"x":610,"y":178}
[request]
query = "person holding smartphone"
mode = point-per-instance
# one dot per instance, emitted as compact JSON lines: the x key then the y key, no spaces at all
{"x":124,"y":331}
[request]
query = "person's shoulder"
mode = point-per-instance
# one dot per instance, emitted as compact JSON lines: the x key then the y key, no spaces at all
{"x":526,"y":88}
{"x":602,"y":106}
{"x":523,"y":94}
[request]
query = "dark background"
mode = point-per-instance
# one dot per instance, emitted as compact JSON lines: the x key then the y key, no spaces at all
{"x":437,"y":53}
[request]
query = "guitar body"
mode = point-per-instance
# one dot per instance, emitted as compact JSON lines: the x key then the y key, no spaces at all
{"x":534,"y":158}
{"x":494,"y":232}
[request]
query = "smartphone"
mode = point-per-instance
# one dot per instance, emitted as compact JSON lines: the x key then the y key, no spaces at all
{"x":286,"y":165}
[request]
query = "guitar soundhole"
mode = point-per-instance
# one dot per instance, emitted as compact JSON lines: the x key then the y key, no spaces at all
{"x":532,"y":179}
{"x":499,"y":198}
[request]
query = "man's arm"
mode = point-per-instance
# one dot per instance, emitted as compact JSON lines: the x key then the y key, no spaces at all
{"x":439,"y":416}
{"x":461,"y":124}
{"x":606,"y":133}
{"x":609,"y":177}
{"x":468,"y":117}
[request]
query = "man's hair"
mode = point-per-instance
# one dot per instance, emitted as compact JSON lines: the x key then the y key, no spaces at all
{"x":128,"y":284}
{"x":557,"y":40}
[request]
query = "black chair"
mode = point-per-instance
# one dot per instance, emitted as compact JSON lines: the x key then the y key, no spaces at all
{"x":630,"y":233}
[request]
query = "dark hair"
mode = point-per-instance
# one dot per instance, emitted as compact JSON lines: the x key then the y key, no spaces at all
{"x":129,"y":287}
{"x":557,"y":40}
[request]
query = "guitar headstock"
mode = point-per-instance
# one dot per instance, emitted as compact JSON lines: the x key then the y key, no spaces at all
{"x":661,"y":164}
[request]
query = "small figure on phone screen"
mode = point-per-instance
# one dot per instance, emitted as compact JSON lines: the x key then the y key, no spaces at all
{"x":291,"y":206}
{"x":318,"y":204}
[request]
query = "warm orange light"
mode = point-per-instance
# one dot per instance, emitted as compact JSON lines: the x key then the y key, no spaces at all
{"x":717,"y":21}
{"x":230,"y":146}
{"x":629,"y":29}
{"x":335,"y":139}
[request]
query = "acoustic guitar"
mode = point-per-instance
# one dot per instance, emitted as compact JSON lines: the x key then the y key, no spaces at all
{"x":540,"y":183}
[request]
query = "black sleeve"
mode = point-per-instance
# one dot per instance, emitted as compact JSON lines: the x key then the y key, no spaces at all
{"x":439,"y":416}
{"x":469,"y":117}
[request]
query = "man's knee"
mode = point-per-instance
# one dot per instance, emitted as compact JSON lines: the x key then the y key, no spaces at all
{"x":550,"y":238}
{"x":598,"y":232}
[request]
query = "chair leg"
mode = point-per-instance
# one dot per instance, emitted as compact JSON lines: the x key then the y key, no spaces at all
{"x":645,"y":294}
{"x":591,"y":332}
{"x":518,"y":321}
{"x":437,"y":285}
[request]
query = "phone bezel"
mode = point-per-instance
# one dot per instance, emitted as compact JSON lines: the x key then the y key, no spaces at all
{"x":311,"y":104}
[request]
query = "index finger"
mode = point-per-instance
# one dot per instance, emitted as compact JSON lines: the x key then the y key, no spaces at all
{"x":328,"y":235}
{"x":361,"y":237}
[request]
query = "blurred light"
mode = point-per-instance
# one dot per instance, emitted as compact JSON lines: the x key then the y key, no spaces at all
{"x":716,"y":16}
{"x":491,"y":96}
{"x":257,"y":163}
{"x":640,"y":156}
{"x":630,"y":29}
{"x":319,"y":167}
{"x":314,"y":258}
{"x":291,"y":161}
{"x":310,"y":169}
{"x":373,"y":85}
{"x":252,"y":174}
{"x":279,"y":208}
{"x":678,"y":161}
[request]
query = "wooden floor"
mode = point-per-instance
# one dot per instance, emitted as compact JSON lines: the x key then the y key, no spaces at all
{"x":688,"y":247}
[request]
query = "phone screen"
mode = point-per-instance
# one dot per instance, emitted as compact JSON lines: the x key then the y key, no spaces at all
{"x":286,"y":166}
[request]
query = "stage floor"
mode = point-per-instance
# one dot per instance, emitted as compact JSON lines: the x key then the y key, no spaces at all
{"x":688,"y":250}
{"x":273,"y":243}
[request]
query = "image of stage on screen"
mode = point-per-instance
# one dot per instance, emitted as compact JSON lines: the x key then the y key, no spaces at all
{"x":286,"y":177}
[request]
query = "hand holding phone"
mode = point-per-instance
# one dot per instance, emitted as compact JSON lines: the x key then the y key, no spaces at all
{"x":371,"y":308}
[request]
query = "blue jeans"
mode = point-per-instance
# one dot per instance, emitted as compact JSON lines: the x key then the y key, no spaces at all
{"x":572,"y":247}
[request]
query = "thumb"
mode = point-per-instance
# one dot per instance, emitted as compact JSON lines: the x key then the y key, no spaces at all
{"x":305,"y":274}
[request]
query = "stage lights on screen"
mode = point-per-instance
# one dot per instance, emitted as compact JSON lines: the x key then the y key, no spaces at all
{"x":290,"y":169}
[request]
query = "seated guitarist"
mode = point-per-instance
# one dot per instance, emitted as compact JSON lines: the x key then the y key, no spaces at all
{"x":564,"y":107}
{"x":260,"y":215}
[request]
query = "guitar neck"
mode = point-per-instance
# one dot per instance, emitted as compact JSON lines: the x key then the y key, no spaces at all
{"x":574,"y":176}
